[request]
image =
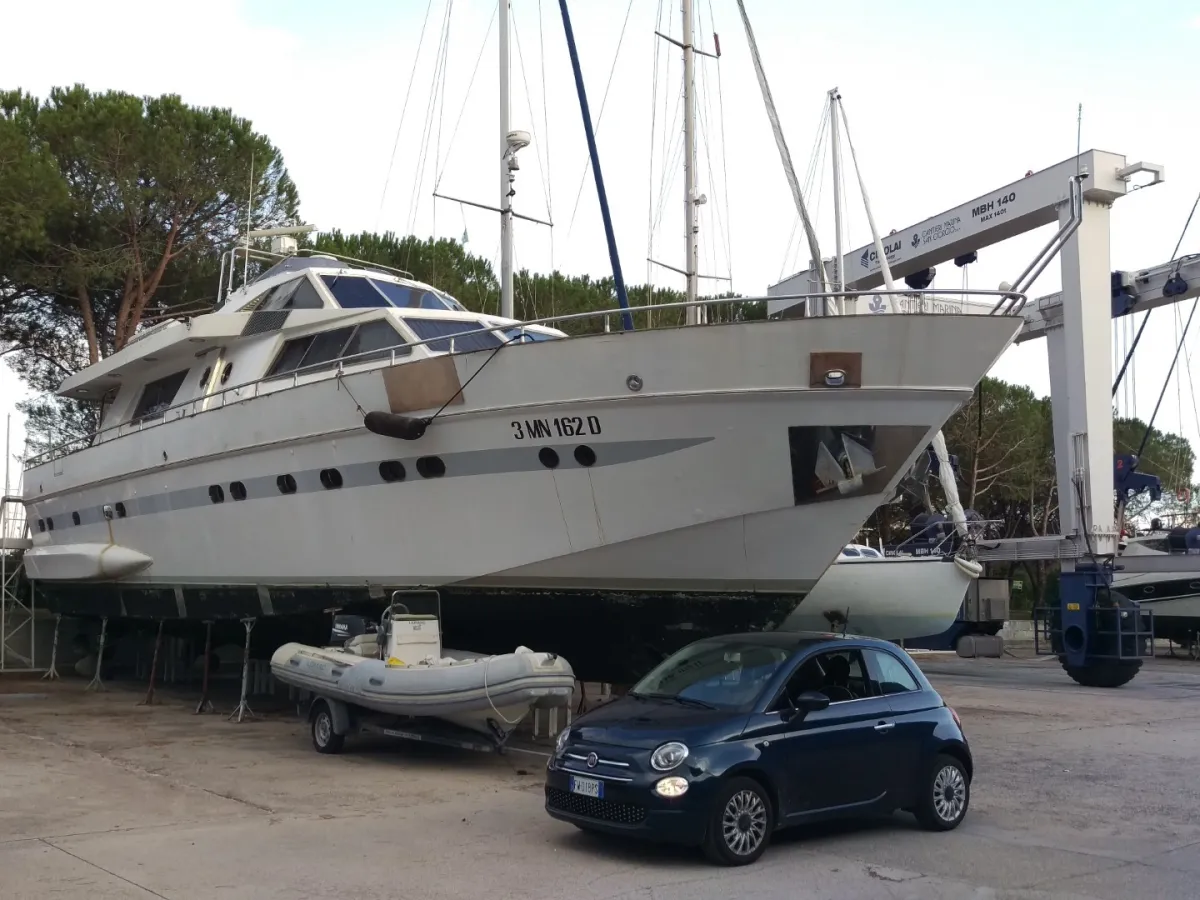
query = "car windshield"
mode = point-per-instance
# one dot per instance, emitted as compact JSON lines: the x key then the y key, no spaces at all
{"x":720,"y":674}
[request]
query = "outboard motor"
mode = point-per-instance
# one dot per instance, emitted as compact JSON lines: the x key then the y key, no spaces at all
{"x":345,"y":628}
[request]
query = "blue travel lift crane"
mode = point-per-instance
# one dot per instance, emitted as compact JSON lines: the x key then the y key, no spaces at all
{"x":1099,"y":636}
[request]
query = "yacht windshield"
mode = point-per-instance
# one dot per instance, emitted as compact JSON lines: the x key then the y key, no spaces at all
{"x":456,"y":335}
{"x":353,"y":291}
{"x":724,"y":674}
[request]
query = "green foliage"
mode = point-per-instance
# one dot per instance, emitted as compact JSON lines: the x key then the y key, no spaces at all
{"x":120,"y":207}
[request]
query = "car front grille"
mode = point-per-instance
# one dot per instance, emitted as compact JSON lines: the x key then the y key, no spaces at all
{"x":591,"y":808}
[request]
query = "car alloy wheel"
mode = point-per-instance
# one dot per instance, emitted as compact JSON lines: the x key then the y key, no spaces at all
{"x":949,"y":793}
{"x":740,"y":823}
{"x":744,"y":822}
{"x":945,"y":795}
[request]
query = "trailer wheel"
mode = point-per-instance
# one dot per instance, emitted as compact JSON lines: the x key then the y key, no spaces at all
{"x":324,"y":739}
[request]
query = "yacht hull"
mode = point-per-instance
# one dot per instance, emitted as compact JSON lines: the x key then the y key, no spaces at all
{"x":615,"y":439}
{"x":1173,"y":597}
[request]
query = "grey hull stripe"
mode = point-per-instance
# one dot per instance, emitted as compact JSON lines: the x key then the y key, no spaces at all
{"x":500,"y":461}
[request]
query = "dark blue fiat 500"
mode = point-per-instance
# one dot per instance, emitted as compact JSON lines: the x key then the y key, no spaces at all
{"x":735,"y":737}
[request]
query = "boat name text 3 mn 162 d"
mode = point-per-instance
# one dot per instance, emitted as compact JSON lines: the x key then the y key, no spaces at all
{"x":565,"y":426}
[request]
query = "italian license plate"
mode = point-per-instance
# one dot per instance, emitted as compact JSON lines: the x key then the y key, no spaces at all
{"x":587,"y":787}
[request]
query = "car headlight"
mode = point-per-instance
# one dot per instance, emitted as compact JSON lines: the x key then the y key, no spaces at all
{"x":560,"y":745}
{"x":672,"y":786}
{"x":668,"y":756}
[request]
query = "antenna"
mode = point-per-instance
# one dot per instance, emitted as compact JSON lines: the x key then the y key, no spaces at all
{"x":249,"y":207}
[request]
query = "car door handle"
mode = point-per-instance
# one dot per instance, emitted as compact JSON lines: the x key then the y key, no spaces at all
{"x":885,"y":727}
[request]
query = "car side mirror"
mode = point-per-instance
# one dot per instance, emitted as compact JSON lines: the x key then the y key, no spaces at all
{"x":810,"y":701}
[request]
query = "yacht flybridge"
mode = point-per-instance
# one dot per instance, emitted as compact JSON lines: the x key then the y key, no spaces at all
{"x":336,"y":428}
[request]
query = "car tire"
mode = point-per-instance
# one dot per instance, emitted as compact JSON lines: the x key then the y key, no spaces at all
{"x":740,"y":823}
{"x":324,"y":738}
{"x":945,"y":795}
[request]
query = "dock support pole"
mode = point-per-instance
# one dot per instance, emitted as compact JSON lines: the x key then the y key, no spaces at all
{"x":205,"y":705}
{"x":52,"y":672}
{"x":97,"y":683}
{"x":149,"y":701}
{"x":243,"y":710}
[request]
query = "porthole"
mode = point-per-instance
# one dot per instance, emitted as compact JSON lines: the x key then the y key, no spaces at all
{"x":74,"y":518}
{"x":41,"y":524}
{"x":1148,"y":589}
{"x":585,"y":455}
{"x":392,"y":470}
{"x":204,"y":378}
{"x":286,"y":484}
{"x":216,"y":493}
{"x":120,"y":510}
{"x":548,"y":457}
{"x":331,"y":478}
{"x":1194,"y":586}
{"x":49,"y":523}
{"x":107,"y":511}
{"x":225,"y":374}
{"x":237,"y":490}
{"x":431,"y":467}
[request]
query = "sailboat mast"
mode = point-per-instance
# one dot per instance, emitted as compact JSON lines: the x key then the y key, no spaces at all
{"x":506,"y":219}
{"x":836,"y":148}
{"x":694,"y":313}
{"x":785,"y":155}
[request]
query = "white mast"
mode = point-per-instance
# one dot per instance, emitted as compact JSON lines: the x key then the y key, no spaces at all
{"x":694,"y":313}
{"x":835,"y":141}
{"x":945,"y":472}
{"x":785,"y":155}
{"x":506,"y":222}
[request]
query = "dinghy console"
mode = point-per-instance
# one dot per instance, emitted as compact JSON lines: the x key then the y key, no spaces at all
{"x":405,"y":639}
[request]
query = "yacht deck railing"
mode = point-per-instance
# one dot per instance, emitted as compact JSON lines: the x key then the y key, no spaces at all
{"x":921,"y":543}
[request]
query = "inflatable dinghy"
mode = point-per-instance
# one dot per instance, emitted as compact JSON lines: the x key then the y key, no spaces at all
{"x":487,"y":694}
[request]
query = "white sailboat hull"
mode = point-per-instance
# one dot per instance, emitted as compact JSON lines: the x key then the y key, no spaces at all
{"x":893,"y":599}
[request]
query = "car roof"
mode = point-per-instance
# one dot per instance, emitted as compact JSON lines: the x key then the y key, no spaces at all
{"x":795,"y":640}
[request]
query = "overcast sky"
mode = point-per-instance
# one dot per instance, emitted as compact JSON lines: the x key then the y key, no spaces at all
{"x":944,"y":105}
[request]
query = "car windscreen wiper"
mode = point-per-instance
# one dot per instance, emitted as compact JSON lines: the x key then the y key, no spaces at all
{"x":675,"y":698}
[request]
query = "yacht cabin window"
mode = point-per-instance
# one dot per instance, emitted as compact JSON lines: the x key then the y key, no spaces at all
{"x":467,"y":336}
{"x":365,"y":342}
{"x":353,"y":292}
{"x":298,"y":293}
{"x":158,"y":395}
{"x":405,"y":297}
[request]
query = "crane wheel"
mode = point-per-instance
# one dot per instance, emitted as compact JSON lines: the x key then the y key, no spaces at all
{"x":1103,"y":675}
